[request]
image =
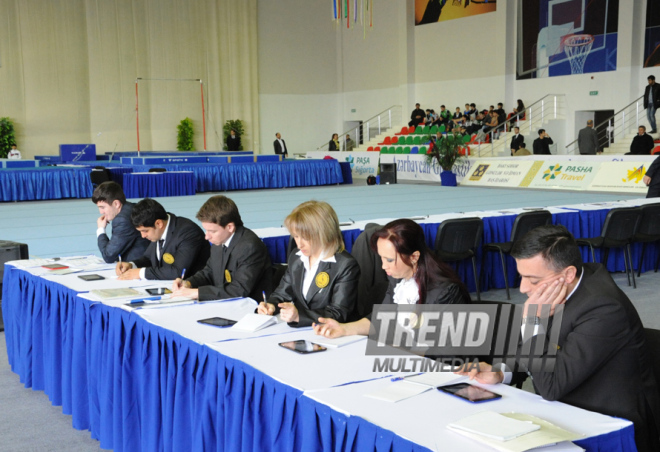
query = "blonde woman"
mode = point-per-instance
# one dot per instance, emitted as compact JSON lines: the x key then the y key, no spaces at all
{"x":321,"y":279}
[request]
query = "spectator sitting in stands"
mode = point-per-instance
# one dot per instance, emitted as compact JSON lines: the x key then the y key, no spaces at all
{"x":517,"y":114}
{"x":501,"y":114}
{"x":444,"y":117}
{"x":642,"y":144}
{"x":476,"y":124}
{"x":490,"y":122}
{"x":458,"y":116}
{"x":416,"y":117}
{"x":466,"y":112}
{"x":430,"y":117}
{"x":473,"y":111}
{"x":521,"y":151}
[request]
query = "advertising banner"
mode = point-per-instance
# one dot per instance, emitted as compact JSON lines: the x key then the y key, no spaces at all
{"x":415,"y":167}
{"x":623,"y":177}
{"x":563,"y":175}
{"x":363,"y":164}
{"x":498,"y":173}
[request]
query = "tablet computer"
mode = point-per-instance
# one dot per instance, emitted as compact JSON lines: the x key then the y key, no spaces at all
{"x":217,"y":321}
{"x":303,"y":346}
{"x":468,"y":392}
{"x":91,"y":277}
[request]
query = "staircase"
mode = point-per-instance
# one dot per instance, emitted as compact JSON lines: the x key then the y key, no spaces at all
{"x":622,"y":126}
{"x":549,"y":107}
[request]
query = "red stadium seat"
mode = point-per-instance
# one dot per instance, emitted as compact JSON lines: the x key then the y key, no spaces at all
{"x":370,"y":148}
{"x":387,"y":140}
{"x":377,"y":149}
{"x":404,"y":131}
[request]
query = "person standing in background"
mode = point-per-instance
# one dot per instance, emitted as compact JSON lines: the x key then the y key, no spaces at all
{"x":280,"y":146}
{"x":333,"y":144}
{"x":587,"y":140}
{"x":233,"y":141}
{"x":651,"y":101}
{"x":542,"y":143}
{"x":14,"y":154}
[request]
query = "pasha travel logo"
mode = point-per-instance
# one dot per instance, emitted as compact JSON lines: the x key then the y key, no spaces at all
{"x":479,"y":172}
{"x":635,"y":175}
{"x":552,"y":172}
{"x":349,"y":159}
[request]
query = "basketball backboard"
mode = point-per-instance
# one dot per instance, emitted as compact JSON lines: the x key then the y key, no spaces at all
{"x":557,"y":20}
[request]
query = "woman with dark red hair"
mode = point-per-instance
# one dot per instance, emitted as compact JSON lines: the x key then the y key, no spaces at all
{"x":416,"y":276}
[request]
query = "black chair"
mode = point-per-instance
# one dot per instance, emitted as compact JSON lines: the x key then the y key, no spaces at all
{"x":99,"y":175}
{"x":157,"y":170}
{"x":648,"y":231}
{"x":278,"y":271}
{"x":618,"y":230}
{"x":523,"y":223}
{"x":653,"y":347}
{"x":291,"y":247}
{"x":373,"y":279}
{"x":458,"y":240}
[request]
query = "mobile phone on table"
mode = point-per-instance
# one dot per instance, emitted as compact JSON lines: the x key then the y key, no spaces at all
{"x":91,"y":277}
{"x":217,"y":321}
{"x":303,"y":346}
{"x":158,"y":291}
{"x":468,"y":392}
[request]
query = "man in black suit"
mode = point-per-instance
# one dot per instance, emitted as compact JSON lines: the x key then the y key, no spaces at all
{"x":517,"y":140}
{"x":642,"y":144}
{"x":177,"y":244}
{"x":601,"y":360}
{"x":652,"y":179}
{"x":280,"y":146}
{"x":651,"y":101}
{"x":233,"y":141}
{"x":239,"y":265}
{"x":126,"y":241}
{"x":588,"y":140}
{"x":417,"y":116}
{"x":542,"y":143}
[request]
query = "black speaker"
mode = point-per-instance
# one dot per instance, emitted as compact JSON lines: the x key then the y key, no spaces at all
{"x":9,"y":251}
{"x":387,"y":173}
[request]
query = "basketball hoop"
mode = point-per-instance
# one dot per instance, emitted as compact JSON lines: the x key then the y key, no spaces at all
{"x":577,"y":47}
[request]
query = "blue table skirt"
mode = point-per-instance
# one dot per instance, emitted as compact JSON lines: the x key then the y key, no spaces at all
{"x":152,"y":185}
{"x":44,"y":183}
{"x":346,"y":172}
{"x":245,"y":176}
{"x":586,"y":223}
{"x":137,"y":386}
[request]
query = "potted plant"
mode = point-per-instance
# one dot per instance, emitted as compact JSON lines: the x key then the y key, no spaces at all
{"x":446,"y":151}
{"x":7,"y":136}
{"x":235,"y":124}
{"x":185,"y":135}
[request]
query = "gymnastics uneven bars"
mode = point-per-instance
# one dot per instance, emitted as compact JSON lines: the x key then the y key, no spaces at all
{"x":137,"y":112}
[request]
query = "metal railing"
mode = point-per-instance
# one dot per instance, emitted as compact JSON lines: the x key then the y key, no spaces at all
{"x":616,"y":126}
{"x":529,"y":121}
{"x":369,"y":129}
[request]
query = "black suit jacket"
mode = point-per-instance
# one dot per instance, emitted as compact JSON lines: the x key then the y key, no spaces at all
{"x":185,"y":242}
{"x":126,"y":240}
{"x":642,"y":144}
{"x":248,"y":263}
{"x":602,"y":364}
{"x":336,"y":300}
{"x":278,"y":148}
{"x":444,"y":292}
{"x":542,"y":145}
{"x":516,"y":141}
{"x":233,"y":144}
{"x":654,"y":172}
{"x":656,"y":95}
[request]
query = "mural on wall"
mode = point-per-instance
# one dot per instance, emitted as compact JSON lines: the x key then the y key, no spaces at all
{"x":652,"y":35}
{"x":431,"y":11}
{"x":565,"y":37}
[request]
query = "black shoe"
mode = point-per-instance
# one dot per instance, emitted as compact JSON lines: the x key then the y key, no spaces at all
{"x":653,"y":131}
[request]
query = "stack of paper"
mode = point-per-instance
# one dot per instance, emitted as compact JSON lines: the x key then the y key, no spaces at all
{"x":254,"y":322}
{"x":511,"y":432}
{"x":337,"y":342}
{"x":108,"y":294}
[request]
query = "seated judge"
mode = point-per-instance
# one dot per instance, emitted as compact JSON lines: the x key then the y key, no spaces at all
{"x":601,"y":361}
{"x":416,"y":276}
{"x":322,"y":278}
{"x":115,"y":210}
{"x":239,"y":265}
{"x":177,"y":244}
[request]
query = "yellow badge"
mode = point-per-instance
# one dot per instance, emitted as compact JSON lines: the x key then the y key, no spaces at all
{"x":322,"y":280}
{"x":228,"y":276}
{"x":168,"y":258}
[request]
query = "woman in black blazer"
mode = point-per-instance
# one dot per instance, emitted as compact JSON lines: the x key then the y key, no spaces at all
{"x":322,"y":278}
{"x":333,"y":144}
{"x":416,"y":276}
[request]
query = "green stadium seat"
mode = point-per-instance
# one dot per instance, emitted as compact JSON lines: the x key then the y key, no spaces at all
{"x":399,"y":150}
{"x":419,"y":129}
{"x":422,"y":150}
{"x":406,"y":150}
{"x":410,"y":139}
{"x":417,"y":140}
{"x":434,"y":129}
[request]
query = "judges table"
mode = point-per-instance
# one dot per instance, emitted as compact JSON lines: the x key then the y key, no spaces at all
{"x":581,"y":220}
{"x":156,"y":184}
{"x":155,"y":379}
{"x":31,"y":184}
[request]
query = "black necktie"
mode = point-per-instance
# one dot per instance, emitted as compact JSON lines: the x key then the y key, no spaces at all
{"x":160,"y":247}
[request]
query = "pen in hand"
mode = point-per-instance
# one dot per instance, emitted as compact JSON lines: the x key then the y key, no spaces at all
{"x":183,"y":274}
